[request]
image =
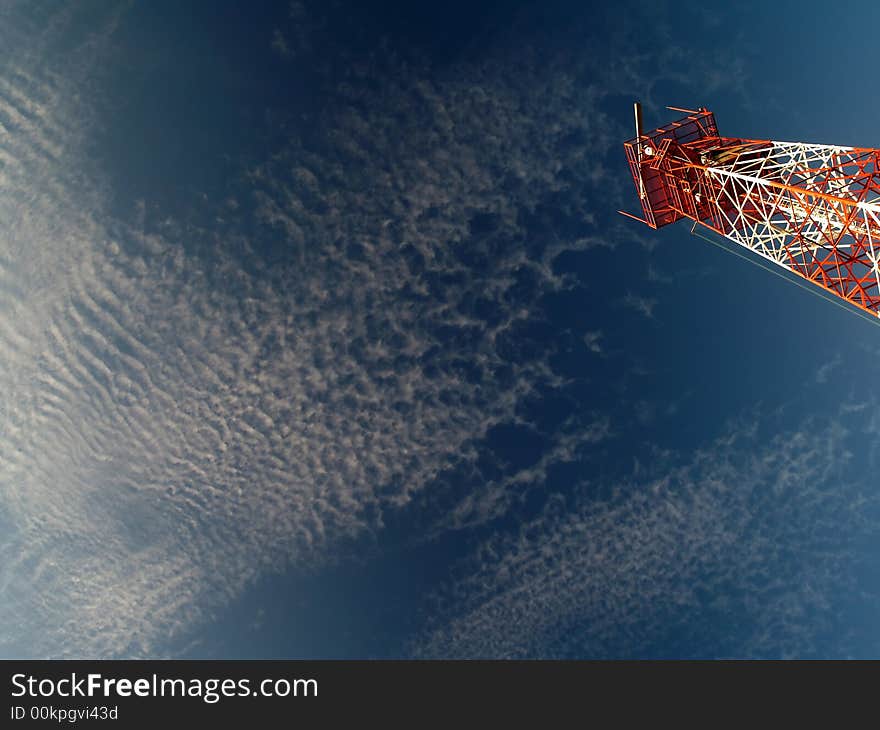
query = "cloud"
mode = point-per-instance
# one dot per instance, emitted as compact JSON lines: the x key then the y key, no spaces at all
{"x":593,"y":341}
{"x":495,"y":498}
{"x":188,"y":403}
{"x":641,"y":304}
{"x":182,"y":412}
{"x":746,"y":549}
{"x":279,"y":44}
{"x":823,"y":374}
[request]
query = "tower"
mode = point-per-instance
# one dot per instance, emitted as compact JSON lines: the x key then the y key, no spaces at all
{"x":810,"y":208}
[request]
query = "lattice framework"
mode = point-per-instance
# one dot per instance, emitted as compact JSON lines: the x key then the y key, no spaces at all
{"x":813,"y":209}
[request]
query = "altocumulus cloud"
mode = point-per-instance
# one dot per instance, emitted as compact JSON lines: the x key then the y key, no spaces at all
{"x":748,"y":547}
{"x":176,"y":423}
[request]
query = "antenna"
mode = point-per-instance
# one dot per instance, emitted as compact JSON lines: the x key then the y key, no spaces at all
{"x":637,"y":110}
{"x":685,"y":111}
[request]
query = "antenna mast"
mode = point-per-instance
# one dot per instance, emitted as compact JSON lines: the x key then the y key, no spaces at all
{"x":812,"y":209}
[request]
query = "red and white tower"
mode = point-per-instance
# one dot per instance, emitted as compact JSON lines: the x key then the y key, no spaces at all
{"x":812,"y":209}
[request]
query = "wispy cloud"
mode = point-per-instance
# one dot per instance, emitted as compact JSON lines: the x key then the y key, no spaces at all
{"x":823,"y":374}
{"x":742,"y":550}
{"x":641,"y":304}
{"x":593,"y":341}
{"x":494,"y":498}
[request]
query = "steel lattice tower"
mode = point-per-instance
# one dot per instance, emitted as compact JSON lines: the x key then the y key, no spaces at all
{"x":813,"y":209}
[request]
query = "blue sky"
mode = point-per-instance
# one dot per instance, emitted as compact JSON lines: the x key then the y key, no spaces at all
{"x":324,"y":339}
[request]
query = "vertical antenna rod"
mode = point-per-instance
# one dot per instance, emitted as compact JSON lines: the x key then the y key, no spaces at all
{"x":637,"y":110}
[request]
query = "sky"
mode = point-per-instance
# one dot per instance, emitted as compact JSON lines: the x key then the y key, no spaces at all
{"x":321,"y":337}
